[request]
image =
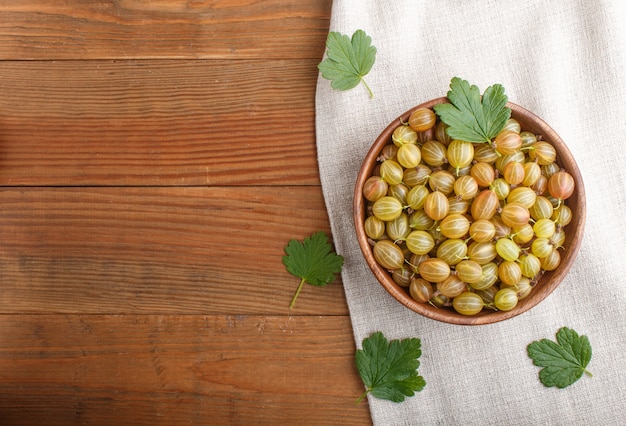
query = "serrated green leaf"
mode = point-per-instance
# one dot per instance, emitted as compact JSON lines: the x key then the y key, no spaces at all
{"x":389,"y":368}
{"x":397,"y":391}
{"x":313,"y":261}
{"x":495,"y":112}
{"x":470,"y":118}
{"x":564,"y":361}
{"x":348,"y":60}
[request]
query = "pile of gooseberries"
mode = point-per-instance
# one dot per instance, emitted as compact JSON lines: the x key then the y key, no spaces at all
{"x":463,"y":225}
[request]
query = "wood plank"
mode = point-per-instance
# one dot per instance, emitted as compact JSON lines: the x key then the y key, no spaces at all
{"x":201,"y":250}
{"x":235,"y":29}
{"x":192,"y":369}
{"x":158,"y":123}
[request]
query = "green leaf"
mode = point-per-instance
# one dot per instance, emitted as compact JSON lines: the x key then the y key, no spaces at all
{"x":565,"y":361}
{"x":389,"y":369}
{"x":312,"y":260}
{"x":471,"y":118}
{"x":348,"y":60}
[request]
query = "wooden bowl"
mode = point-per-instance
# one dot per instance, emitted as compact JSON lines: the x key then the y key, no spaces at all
{"x":547,"y":282}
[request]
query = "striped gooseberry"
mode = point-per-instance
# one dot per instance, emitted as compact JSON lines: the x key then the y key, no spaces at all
{"x":502,"y":229}
{"x":528,"y":138}
{"x":374,"y":227}
{"x":562,"y":215}
{"x":507,"y":249}
{"x":422,"y":119}
{"x":441,"y":133}
{"x":466,"y":187}
{"x":469,"y":271}
{"x":460,"y":154}
{"x":505,"y":299}
{"x":530,"y":265}
{"x":561,"y":185}
{"x":388,"y":255}
{"x":417,"y":197}
{"x":558,"y":238}
{"x":468,"y":303}
{"x":391,"y":171}
{"x":523,"y":288}
{"x":388,"y":152}
{"x":514,"y":214}
{"x":374,"y":188}
{"x":501,"y":188}
{"x":452,"y":251}
{"x":398,"y":228}
{"x":402,"y":276}
{"x":481,"y":253}
{"x":485,"y":205}
{"x":440,"y":301}
{"x":387,"y":208}
{"x":485,"y":153}
{"x":461,"y":171}
{"x":454,"y":226}
{"x":542,"y":152}
{"x":398,"y":191}
{"x":434,"y":270}
{"x":541,"y":209}
{"x":523,"y":195}
{"x":421,"y":290}
{"x":451,"y":286}
{"x":417,"y":175}
{"x":541,"y":247}
{"x":483,"y":173}
{"x":551,"y":261}
{"x":403,"y":135}
{"x":549,"y":169}
{"x":541,"y":186}
{"x":419,"y":220}
{"x":532,"y":172}
{"x":509,"y":272}
{"x":482,"y":230}
{"x":513,"y":173}
{"x":409,"y":155}
{"x":442,"y":181}
{"x":544,"y":228}
{"x":434,"y":153}
{"x":522,"y":234}
{"x":512,"y":125}
{"x":507,"y":142}
{"x":419,"y":242}
{"x":436,"y":205}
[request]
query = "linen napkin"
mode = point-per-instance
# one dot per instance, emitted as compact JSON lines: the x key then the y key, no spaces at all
{"x":566,"y":62}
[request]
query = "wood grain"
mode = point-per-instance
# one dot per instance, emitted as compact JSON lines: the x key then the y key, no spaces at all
{"x":155,"y":159}
{"x":66,"y":370}
{"x":200,"y":29}
{"x":185,"y":250}
{"x":158,"y":123}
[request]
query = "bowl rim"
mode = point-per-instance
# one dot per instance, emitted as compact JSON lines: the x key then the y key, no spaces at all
{"x":543,"y":289}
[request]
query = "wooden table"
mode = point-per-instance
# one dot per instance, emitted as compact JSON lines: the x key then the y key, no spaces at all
{"x":155,"y":159}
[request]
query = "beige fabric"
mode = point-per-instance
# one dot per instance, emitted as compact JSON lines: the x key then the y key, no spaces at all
{"x":565,"y":61}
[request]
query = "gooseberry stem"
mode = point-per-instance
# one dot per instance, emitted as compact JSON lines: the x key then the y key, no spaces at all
{"x":362,"y":397}
{"x":588,"y":373}
{"x":368,"y":88}
{"x":295,"y":296}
